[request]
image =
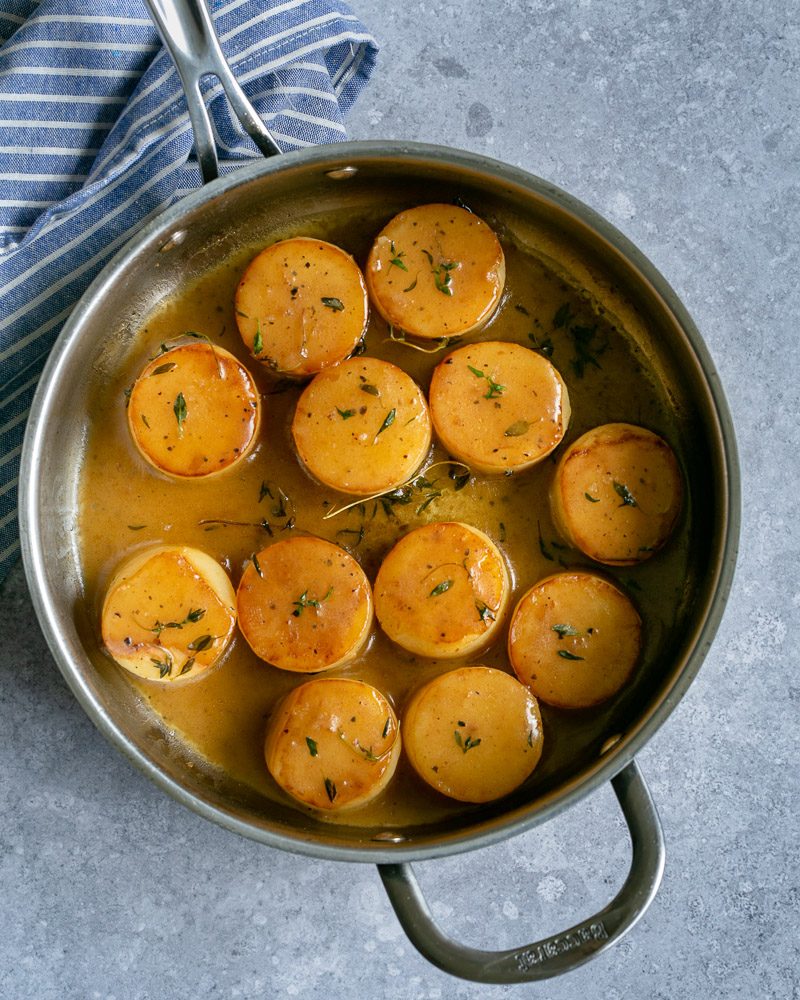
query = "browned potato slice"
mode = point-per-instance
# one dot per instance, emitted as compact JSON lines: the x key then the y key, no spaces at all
{"x":362,"y":427}
{"x":194,"y":411}
{"x":574,"y":639}
{"x":169,"y":613}
{"x":498,"y":407}
{"x":436,"y":271}
{"x":302,"y":306}
{"x":474,"y":734}
{"x":333,"y":743}
{"x":617,"y":493}
{"x":304,"y":605}
{"x":442,"y":591}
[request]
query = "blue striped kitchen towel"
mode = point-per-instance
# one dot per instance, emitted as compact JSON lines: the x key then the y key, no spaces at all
{"x":95,"y":140}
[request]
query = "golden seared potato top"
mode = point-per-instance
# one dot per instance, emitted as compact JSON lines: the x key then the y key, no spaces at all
{"x":304,"y":605}
{"x":474,"y":734}
{"x":333,"y":743}
{"x":169,"y":613}
{"x":436,"y":271}
{"x":362,"y":427}
{"x":617,"y":493}
{"x":442,"y":591}
{"x":574,"y":639}
{"x":301,"y":306}
{"x":499,"y":407}
{"x":194,"y":411}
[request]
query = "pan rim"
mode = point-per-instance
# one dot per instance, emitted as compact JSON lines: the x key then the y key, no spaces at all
{"x":483,"y":832}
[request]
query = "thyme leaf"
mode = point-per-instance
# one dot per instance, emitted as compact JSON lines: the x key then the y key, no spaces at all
{"x":440,"y":588}
{"x":279,"y":509}
{"x":563,"y":316}
{"x":428,"y":501}
{"x":566,"y":655}
{"x":164,"y":666}
{"x":625,"y":494}
{"x":163,"y":369}
{"x":334,"y":304}
{"x":388,"y":421}
{"x":563,"y":630}
{"x":187,"y":666}
{"x":312,"y":746}
{"x":330,"y":788}
{"x":591,"y":499}
{"x":201,"y":642}
{"x":282,"y":507}
{"x":485,"y":612}
{"x":587,"y":349}
{"x":180,"y":411}
{"x":345,"y":414}
{"x":358,"y":532}
{"x":517,"y":429}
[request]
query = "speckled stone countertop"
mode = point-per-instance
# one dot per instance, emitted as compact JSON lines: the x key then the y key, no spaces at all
{"x":677,"y":121}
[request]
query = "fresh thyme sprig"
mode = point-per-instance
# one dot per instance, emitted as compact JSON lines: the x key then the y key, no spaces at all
{"x":194,"y":615}
{"x":495,"y":389}
{"x":441,"y":273}
{"x":465,"y":744}
{"x":402,"y":494}
{"x":304,"y":601}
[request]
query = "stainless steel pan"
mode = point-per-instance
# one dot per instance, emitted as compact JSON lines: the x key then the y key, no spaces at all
{"x":243,"y":208}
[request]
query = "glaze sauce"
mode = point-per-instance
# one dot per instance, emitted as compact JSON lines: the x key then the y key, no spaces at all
{"x":125,"y":505}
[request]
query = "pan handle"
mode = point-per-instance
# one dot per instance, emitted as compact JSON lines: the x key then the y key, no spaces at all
{"x":561,"y":952}
{"x":187,"y":30}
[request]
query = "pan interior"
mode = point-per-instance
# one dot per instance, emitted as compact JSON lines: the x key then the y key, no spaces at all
{"x":103,"y":341}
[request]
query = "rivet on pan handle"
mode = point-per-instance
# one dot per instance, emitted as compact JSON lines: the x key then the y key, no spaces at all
{"x":188,"y":33}
{"x":561,"y":952}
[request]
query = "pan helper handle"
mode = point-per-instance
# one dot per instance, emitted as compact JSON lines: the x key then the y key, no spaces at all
{"x":187,"y":30}
{"x":561,"y":952}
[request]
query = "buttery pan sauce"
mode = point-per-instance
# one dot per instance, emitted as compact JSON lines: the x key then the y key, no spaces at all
{"x":126,"y":505}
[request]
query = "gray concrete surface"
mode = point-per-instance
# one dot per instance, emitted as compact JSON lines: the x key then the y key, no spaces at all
{"x":678,"y":121}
